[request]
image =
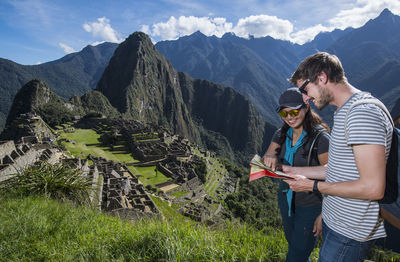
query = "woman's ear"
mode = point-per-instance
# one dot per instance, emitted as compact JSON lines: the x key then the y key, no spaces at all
{"x":307,"y":107}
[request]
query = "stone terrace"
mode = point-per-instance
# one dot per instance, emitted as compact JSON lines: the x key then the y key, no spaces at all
{"x":16,"y":157}
{"x":122,"y":194}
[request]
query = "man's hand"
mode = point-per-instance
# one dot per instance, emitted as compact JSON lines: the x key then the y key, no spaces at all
{"x":289,"y":170}
{"x":300,"y":183}
{"x":317,"y":229}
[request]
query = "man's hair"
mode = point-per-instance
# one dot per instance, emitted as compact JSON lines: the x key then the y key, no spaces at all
{"x":313,"y":65}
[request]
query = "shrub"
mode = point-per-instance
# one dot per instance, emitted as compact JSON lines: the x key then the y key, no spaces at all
{"x":201,"y":170}
{"x":55,"y":114}
{"x":57,"y":181}
{"x":92,"y":114}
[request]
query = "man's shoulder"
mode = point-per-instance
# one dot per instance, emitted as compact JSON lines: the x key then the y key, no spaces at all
{"x":359,"y":103}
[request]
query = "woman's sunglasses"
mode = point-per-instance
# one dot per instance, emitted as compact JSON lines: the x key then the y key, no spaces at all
{"x":292,"y":113}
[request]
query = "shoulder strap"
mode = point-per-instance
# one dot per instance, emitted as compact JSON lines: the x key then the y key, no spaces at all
{"x":366,"y":101}
{"x":312,"y":146}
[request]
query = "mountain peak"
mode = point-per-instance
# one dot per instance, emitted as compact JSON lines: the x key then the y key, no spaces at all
{"x":29,"y":98}
{"x":385,"y":13}
{"x":386,"y":16}
{"x":139,"y":36}
{"x":198,"y":34}
{"x":228,"y":35}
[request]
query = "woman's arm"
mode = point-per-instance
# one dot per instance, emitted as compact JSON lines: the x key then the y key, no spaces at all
{"x":323,"y":158}
{"x":270,"y":157}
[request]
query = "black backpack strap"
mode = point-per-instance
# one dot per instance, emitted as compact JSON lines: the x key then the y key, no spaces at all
{"x":319,"y":132}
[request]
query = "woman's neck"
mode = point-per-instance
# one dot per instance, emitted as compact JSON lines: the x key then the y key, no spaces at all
{"x":298,"y":130}
{"x":296,"y":134}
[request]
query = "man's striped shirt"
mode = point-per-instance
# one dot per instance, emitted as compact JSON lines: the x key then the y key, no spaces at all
{"x":366,"y":124}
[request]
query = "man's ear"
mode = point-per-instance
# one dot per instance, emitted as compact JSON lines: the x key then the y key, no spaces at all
{"x":323,"y":77}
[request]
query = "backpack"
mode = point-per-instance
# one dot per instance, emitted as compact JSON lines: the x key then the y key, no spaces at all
{"x":390,"y":203}
{"x":313,"y":149}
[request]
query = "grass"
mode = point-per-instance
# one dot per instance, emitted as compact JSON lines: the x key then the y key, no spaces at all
{"x":148,"y":176}
{"x":179,"y":194}
{"x":36,"y":229}
{"x":214,"y":176}
{"x":86,"y":141}
{"x":57,"y":181}
{"x":169,"y":211}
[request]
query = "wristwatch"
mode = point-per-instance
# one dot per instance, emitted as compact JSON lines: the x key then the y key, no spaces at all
{"x":315,"y":187}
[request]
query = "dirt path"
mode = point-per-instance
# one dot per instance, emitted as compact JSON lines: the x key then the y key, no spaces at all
{"x":169,"y":187}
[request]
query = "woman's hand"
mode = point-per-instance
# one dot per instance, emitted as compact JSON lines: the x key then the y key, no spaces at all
{"x":317,"y":229}
{"x":270,"y":161}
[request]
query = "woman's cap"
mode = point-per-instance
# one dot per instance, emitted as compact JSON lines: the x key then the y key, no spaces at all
{"x":291,"y":98}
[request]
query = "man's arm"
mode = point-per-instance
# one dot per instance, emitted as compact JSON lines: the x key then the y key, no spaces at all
{"x":312,"y":172}
{"x":371,"y":165}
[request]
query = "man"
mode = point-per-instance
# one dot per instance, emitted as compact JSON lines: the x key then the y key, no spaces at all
{"x":355,"y":174}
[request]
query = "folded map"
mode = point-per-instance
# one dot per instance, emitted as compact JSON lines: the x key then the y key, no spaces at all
{"x":258,"y":170}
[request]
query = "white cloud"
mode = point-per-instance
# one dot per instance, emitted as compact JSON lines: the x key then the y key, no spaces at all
{"x":263,"y":25}
{"x":97,"y":43}
{"x":355,"y":15}
{"x":362,"y":12}
{"x":145,"y":29}
{"x":67,"y":49}
{"x":174,"y":28}
{"x":103,"y":30}
{"x":309,"y":33}
{"x":257,"y":26}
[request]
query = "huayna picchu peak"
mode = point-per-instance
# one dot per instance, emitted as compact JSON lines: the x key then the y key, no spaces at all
{"x":143,"y":85}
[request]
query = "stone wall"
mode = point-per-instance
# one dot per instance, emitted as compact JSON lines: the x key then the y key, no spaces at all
{"x":122,"y":193}
{"x":6,"y":147}
{"x":17,"y":159}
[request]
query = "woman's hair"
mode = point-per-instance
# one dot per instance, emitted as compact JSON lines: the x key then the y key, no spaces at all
{"x":312,"y":121}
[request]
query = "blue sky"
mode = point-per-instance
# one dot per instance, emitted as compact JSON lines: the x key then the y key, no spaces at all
{"x":38,"y":31}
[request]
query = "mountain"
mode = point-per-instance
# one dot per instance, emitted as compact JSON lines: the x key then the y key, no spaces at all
{"x":75,"y":73}
{"x":258,"y":67}
{"x":255,"y":67}
{"x":371,"y":56}
{"x":143,"y":85}
{"x":36,"y":98}
{"x":321,"y":42}
{"x":31,"y":97}
{"x":92,"y":102}
{"x":233,"y":61}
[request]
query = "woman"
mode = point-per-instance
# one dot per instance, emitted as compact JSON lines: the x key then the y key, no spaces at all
{"x":291,"y":146}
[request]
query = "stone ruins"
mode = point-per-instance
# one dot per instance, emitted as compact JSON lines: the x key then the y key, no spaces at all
{"x":115,"y":189}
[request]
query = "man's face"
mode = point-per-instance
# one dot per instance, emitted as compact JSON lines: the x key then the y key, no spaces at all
{"x":317,"y":93}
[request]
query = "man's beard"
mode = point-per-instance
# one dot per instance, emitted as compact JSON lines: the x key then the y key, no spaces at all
{"x":325,"y":97}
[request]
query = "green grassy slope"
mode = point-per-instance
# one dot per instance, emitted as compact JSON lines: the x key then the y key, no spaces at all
{"x":37,"y":229}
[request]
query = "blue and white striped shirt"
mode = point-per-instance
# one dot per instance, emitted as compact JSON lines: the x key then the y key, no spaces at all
{"x":366,"y":124}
